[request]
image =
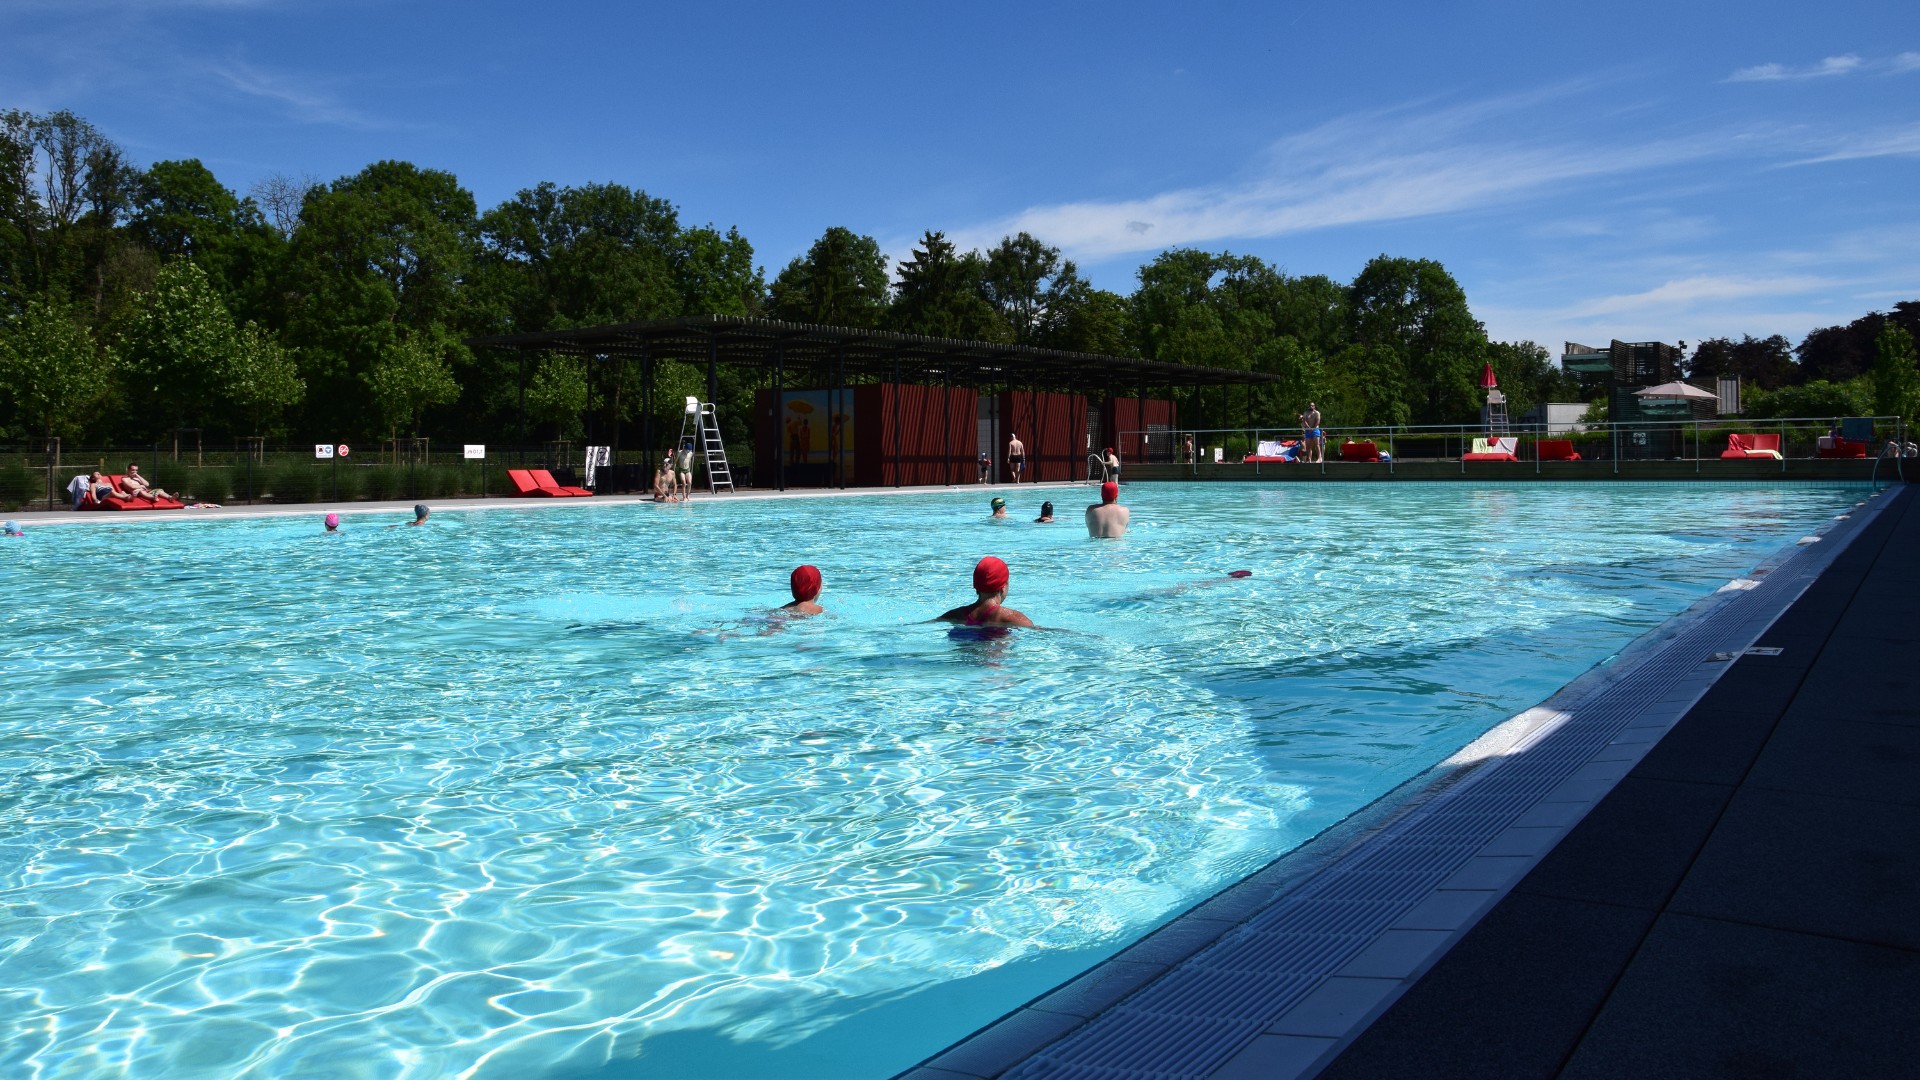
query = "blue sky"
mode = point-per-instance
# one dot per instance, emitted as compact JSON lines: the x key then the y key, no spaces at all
{"x":1642,"y":171}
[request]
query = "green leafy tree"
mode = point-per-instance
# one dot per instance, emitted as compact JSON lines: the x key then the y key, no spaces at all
{"x":1817,"y":398}
{"x":64,"y":189}
{"x":1414,"y":310}
{"x":940,"y":294}
{"x":840,"y":281}
{"x":716,"y":273}
{"x":52,"y":371}
{"x":1097,"y":321}
{"x":377,"y":256}
{"x":261,"y":379}
{"x":1763,"y":363}
{"x":412,"y":376}
{"x":1031,"y":287}
{"x":177,"y":349}
{"x":557,"y":394}
{"x":181,"y":211}
{"x":1896,"y":374}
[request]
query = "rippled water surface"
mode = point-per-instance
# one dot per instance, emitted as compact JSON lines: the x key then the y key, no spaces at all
{"x":544,"y":793}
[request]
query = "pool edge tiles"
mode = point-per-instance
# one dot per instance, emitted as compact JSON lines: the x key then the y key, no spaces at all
{"x":1278,"y":973}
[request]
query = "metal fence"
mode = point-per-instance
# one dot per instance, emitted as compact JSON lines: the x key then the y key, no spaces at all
{"x":1694,"y":441}
{"x":37,"y":476}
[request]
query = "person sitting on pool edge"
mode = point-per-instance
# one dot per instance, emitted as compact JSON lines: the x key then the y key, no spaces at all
{"x":1046,"y":514}
{"x":990,"y":578}
{"x":805,"y":583}
{"x":999,"y":507}
{"x":1107,"y":517}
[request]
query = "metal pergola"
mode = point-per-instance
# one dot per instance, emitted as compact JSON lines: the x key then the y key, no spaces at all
{"x":773,"y":345}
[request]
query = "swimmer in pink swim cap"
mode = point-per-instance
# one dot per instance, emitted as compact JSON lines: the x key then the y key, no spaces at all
{"x":333,"y":522}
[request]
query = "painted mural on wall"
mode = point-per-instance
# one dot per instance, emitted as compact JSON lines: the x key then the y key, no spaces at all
{"x":814,"y":431}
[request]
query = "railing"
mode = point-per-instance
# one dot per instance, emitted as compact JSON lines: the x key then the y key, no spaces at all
{"x":1609,"y":444}
{"x":36,"y":477}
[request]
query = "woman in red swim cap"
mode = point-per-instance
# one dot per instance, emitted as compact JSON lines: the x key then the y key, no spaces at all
{"x":990,"y":583}
{"x":805,"y":582}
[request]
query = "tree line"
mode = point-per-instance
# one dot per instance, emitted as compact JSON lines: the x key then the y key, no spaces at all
{"x":136,"y":303}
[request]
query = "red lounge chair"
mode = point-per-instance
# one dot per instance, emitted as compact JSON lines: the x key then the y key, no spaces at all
{"x":1838,"y":447}
{"x":1359,"y":451}
{"x":1744,"y":447}
{"x":524,"y":486}
{"x":1556,"y":450}
{"x":123,"y":502}
{"x":546,"y":481}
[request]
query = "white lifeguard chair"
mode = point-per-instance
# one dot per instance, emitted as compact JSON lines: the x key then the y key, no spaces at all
{"x":706,"y":432}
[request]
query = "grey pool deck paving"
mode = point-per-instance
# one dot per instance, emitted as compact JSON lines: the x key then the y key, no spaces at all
{"x":1705,"y":867}
{"x":1745,"y":903}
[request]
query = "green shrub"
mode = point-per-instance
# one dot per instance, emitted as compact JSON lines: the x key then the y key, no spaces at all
{"x":295,"y":483}
{"x":19,"y":487}
{"x":210,"y":484}
{"x":441,"y":481}
{"x":169,"y":476}
{"x":383,"y":483}
{"x":340,"y":487}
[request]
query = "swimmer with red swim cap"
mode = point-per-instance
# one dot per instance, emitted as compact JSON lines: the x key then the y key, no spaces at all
{"x":1107,"y":517}
{"x":805,"y":581}
{"x":990,"y":582}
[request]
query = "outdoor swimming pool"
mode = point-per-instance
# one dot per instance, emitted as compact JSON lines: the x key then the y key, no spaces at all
{"x":538,"y":792}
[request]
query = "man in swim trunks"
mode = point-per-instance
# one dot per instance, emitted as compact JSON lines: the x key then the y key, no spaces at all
{"x":685,"y":471}
{"x":137,"y":487}
{"x":1016,"y":456}
{"x":805,"y":583}
{"x":1113,"y":466}
{"x":1310,"y":431}
{"x":1107,"y":518}
{"x":990,"y":579}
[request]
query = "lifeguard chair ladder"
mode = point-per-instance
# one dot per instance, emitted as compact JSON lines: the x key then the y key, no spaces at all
{"x":1496,"y":412}
{"x":706,"y":424}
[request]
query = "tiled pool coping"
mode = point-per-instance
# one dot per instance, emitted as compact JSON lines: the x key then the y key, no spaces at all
{"x":1276,"y":974}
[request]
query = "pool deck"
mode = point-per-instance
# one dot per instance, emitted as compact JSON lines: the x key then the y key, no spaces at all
{"x":1701,"y":866}
{"x":1746,"y":902}
{"x":403,"y":508}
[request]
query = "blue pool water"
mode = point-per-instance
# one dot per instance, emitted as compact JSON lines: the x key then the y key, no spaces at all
{"x":542,"y":793}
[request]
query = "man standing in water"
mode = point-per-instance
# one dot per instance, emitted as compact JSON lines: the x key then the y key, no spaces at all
{"x":1016,"y":456}
{"x":1310,"y":432}
{"x":1107,"y":517}
{"x":990,"y":578}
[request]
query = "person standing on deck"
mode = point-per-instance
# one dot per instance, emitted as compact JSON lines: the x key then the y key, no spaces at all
{"x":1311,"y":433}
{"x":1016,"y":456}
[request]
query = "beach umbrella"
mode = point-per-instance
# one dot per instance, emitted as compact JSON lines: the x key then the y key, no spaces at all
{"x":1487,"y":381}
{"x":1676,"y":391}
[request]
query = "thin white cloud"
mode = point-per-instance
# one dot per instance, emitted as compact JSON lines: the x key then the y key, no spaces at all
{"x":1369,"y":168}
{"x":1691,"y":292}
{"x":1893,"y":142}
{"x":300,"y":102}
{"x":1828,"y":68}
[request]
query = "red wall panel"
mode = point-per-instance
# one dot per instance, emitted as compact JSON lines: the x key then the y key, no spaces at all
{"x":907,"y":434}
{"x":1052,"y":427}
{"x":1126,"y":419}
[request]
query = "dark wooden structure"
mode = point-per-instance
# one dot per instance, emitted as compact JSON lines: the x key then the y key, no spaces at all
{"x":922,"y":437}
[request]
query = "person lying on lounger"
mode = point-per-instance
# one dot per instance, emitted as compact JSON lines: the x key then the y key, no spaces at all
{"x":990,"y":579}
{"x":136,"y":486}
{"x":99,"y":487}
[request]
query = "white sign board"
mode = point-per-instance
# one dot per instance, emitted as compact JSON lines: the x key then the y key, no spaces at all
{"x":323,"y":451}
{"x":476,"y":450}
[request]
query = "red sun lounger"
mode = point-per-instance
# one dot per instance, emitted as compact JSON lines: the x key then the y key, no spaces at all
{"x":122,"y":502}
{"x":1359,"y":451}
{"x":1742,"y":447}
{"x":1556,"y":450}
{"x":524,"y":486}
{"x":546,"y":481}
